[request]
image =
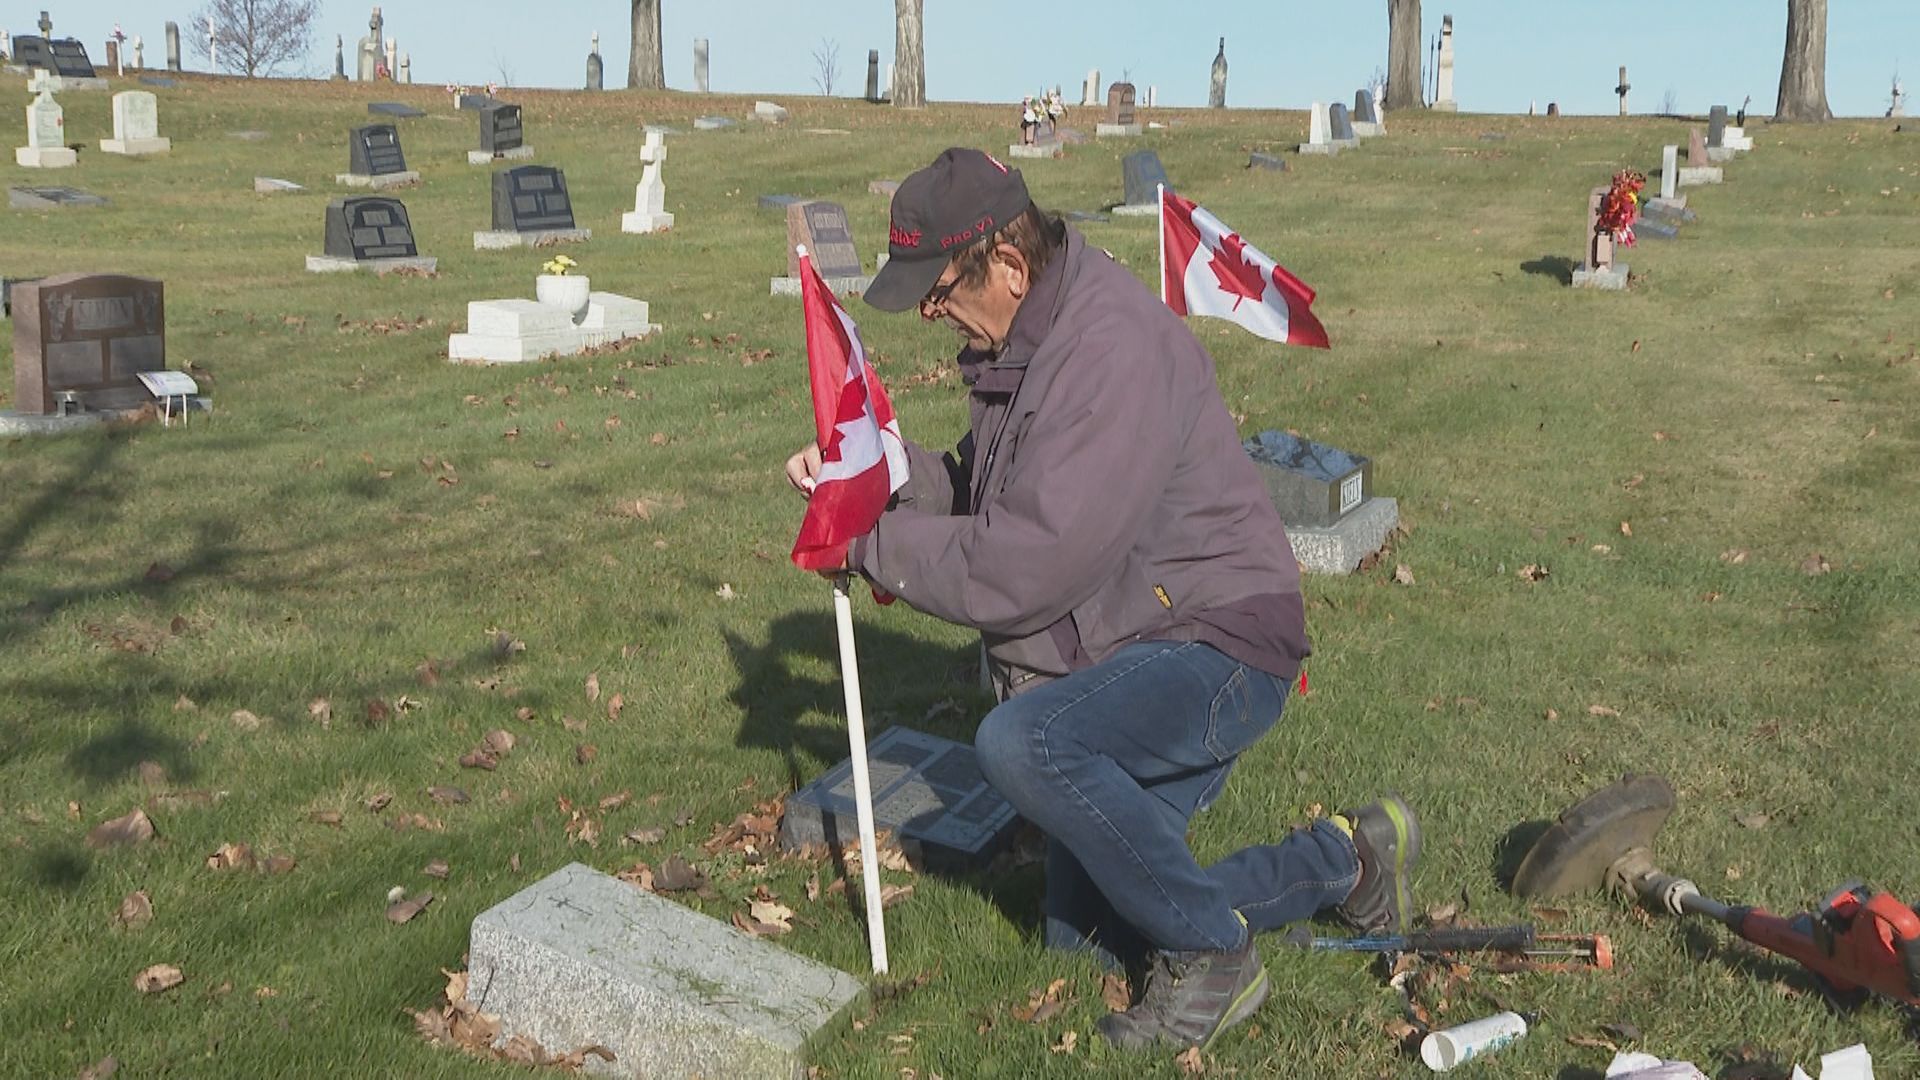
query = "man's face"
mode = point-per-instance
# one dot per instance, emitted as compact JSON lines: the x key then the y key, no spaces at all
{"x":980,"y":313}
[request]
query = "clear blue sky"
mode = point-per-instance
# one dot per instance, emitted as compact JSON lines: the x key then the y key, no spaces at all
{"x":1282,"y":53}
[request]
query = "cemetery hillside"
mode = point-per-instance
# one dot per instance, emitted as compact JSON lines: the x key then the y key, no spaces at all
{"x":440,"y":578}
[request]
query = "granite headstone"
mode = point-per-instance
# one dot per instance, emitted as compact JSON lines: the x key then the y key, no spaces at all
{"x":822,"y":226}
{"x":88,"y":334}
{"x":1312,"y":484}
{"x":375,"y":151}
{"x":369,"y":227}
{"x":531,"y":198}
{"x":500,"y":128}
{"x":1141,"y":175}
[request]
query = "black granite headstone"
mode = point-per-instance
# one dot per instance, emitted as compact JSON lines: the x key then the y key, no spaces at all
{"x":1339,"y":124}
{"x":376,"y":151}
{"x":1717,"y":126}
{"x":531,"y":198}
{"x":369,"y":227}
{"x":500,"y":128}
{"x":1141,"y":172}
{"x":64,"y":57}
{"x":927,"y":791}
{"x":1312,"y":485}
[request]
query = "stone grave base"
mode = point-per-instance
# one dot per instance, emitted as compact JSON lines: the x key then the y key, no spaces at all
{"x":1363,"y":129}
{"x":841,"y":286}
{"x":711,"y":123}
{"x":14,"y":424}
{"x":1130,"y":210}
{"x":1036,"y":150}
{"x":580,"y":958}
{"x":333,"y":264}
{"x":1268,"y":161}
{"x":136,"y":147}
{"x":927,"y":791}
{"x":1445,"y":106}
{"x":482,"y":157}
{"x":1122,"y":131}
{"x":883,"y":187}
{"x":639,"y":221}
{"x":1720,"y":155}
{"x":267,"y":185}
{"x":52,"y":157}
{"x":491,"y":240}
{"x":379,"y":183}
{"x":1612,"y":279}
{"x":474,"y":101}
{"x":1347,"y":144}
{"x":1339,"y":548}
{"x":1326,"y":148}
{"x":1695,"y":175}
{"x":1674,"y":213}
{"x":1650,"y":228}
{"x":521,"y":331}
{"x":1678,"y":202}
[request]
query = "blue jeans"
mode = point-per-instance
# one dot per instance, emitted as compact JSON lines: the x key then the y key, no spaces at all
{"x":1112,"y":762}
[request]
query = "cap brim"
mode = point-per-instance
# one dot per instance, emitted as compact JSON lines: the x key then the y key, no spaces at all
{"x":903,"y":283}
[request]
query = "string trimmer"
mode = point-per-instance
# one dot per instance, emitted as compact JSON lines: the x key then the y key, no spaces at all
{"x":1857,"y":941}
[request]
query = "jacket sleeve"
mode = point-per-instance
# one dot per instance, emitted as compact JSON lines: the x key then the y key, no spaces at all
{"x":1091,"y":466}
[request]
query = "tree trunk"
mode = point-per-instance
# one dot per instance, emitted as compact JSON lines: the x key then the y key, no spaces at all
{"x":1403,"y":55}
{"x":1803,"y":73}
{"x":909,"y":56}
{"x":645,"y":71}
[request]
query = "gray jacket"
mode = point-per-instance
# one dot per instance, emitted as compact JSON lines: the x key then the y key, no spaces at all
{"x":1101,"y":498}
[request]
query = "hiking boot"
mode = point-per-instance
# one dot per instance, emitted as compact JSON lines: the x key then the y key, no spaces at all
{"x":1387,"y":839}
{"x":1190,"y":998}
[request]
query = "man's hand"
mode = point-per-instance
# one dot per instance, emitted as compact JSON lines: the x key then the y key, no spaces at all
{"x":803,"y":469}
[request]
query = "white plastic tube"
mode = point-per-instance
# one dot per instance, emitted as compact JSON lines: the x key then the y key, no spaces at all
{"x":1443,"y":1050}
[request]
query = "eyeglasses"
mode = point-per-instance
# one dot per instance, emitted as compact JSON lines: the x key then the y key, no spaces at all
{"x":936,"y":298}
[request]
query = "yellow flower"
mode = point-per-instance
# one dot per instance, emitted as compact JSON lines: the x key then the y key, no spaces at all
{"x":559,"y":265}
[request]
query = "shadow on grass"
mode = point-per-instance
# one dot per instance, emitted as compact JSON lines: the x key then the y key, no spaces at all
{"x":1558,"y":267}
{"x":1512,"y":850}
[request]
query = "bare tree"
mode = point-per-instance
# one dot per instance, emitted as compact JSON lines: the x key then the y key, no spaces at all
{"x":826,"y":60}
{"x":1803,"y":72}
{"x":909,"y":56}
{"x":1403,"y":55}
{"x":257,"y":36}
{"x":645,"y":69}
{"x":1670,"y":102}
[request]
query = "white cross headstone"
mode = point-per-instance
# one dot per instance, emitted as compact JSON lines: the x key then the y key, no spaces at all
{"x":46,"y":123}
{"x":655,"y":149}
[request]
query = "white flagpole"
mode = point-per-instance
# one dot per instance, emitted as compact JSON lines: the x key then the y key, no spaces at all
{"x":862,"y":785}
{"x":1160,"y":216}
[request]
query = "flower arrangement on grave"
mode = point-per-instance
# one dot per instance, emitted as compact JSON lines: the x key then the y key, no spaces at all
{"x":558,"y":265}
{"x":1620,"y":207}
{"x":558,"y":287}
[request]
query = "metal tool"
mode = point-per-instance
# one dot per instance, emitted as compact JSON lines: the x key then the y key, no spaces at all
{"x":1520,"y":940}
{"x":1857,"y":941}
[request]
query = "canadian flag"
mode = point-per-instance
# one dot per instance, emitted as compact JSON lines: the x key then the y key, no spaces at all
{"x":863,"y":461}
{"x":1206,"y":269}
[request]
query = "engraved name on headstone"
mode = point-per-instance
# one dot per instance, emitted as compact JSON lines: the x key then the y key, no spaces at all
{"x":91,"y":334}
{"x":531,"y":198}
{"x":369,"y":227}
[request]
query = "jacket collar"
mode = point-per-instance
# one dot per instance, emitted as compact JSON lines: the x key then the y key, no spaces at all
{"x":1001,"y":374}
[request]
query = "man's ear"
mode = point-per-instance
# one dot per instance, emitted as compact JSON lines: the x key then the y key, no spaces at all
{"x":1013,"y":268}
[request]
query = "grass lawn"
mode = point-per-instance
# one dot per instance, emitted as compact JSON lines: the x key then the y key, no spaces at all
{"x":351,"y":532}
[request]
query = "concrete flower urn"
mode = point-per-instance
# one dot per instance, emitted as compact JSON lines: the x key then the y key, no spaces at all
{"x":569,"y":292}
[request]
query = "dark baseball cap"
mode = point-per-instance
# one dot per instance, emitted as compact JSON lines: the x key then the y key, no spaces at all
{"x":964,"y":195}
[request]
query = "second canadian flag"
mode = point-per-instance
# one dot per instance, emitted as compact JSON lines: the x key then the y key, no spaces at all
{"x":1206,"y":269}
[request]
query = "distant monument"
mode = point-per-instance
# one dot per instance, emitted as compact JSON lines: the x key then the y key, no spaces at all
{"x":1443,"y":85}
{"x":1622,"y":89}
{"x":596,"y":68}
{"x":1217,"y":92}
{"x":1899,"y":106}
{"x":372,"y":47}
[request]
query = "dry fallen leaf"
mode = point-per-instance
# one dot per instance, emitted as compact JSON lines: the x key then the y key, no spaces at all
{"x":101,"y":1069}
{"x":245,"y":720}
{"x":1815,"y":565}
{"x":645,"y":836}
{"x":593,"y":688}
{"x":231,"y":857}
{"x":1403,"y":575}
{"x":157,"y":978}
{"x":1754,"y":820}
{"x":1626,"y":528}
{"x":406,"y":909}
{"x":1190,"y":1061}
{"x":1734,"y":556}
{"x":136,"y":910}
{"x":771,"y":913}
{"x":378,"y":802}
{"x":725,"y":592}
{"x":499,"y":742}
{"x":1115,"y":992}
{"x":614,"y":705}
{"x":1601,"y":710}
{"x":436,"y":869}
{"x":1066,"y":1043}
{"x":133,"y":827}
{"x":448,"y":795}
{"x":678,"y":875}
{"x":1531,"y":573}
{"x":584,"y":753}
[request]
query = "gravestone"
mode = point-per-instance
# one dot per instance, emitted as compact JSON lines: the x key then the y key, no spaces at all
{"x":159,"y":82}
{"x":769,"y":112}
{"x":1599,"y":270}
{"x":883,"y":187}
{"x":89,"y":336}
{"x":1319,"y":132}
{"x":63,"y":58}
{"x":649,"y":213}
{"x":113,"y":57}
{"x":369,"y":232}
{"x":927,"y":791}
{"x":1669,"y":173}
{"x":375,"y":159}
{"x":1366,"y":115}
{"x":1090,"y":90}
{"x":1217,"y":85}
{"x":566,"y":318}
{"x":712,"y":123}
{"x":371,"y":48}
{"x":531,"y":208}
{"x":1553,"y":110}
{"x":1443,"y":91}
{"x":1267,"y":162}
{"x":873,"y":74}
{"x":1119,"y":119}
{"x":1733,"y":139}
{"x":173,"y":46}
{"x":655,"y":146}
{"x":1325,"y":499}
{"x":1340,"y":127}
{"x":475,"y":102}
{"x":268,"y":185}
{"x":699,"y":65}
{"x":583,"y":959}
{"x":1622,"y":89}
{"x":1141,"y":175}
{"x":501,"y":138}
{"x":1716,"y":127}
{"x":136,"y":125}
{"x":596,"y":67}
{"x":46,"y":136}
{"x":823,"y":227}
{"x":777,"y":203}
{"x":50,"y":198}
{"x":1698,"y":169}
{"x":339,"y":59}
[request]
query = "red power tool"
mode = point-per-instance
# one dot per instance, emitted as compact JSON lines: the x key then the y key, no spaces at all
{"x":1859,"y":941}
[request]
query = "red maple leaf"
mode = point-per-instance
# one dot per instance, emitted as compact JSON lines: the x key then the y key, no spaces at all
{"x":1237,"y":275}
